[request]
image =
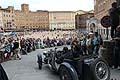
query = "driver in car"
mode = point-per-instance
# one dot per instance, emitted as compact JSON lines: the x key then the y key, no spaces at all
{"x":74,"y":53}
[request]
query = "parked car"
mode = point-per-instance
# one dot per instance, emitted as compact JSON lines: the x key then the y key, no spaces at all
{"x":90,"y":67}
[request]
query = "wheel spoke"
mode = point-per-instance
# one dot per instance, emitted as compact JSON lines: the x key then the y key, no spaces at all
{"x":101,"y":70}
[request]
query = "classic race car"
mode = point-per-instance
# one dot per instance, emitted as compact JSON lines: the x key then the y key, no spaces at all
{"x":85,"y":67}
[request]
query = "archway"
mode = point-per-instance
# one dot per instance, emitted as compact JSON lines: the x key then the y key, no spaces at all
{"x":92,"y":27}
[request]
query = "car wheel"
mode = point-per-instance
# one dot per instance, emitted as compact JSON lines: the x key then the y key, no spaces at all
{"x":100,"y":70}
{"x":65,"y":74}
{"x":39,"y":61}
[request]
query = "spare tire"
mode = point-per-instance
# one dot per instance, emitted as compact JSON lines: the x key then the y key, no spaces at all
{"x":100,"y":70}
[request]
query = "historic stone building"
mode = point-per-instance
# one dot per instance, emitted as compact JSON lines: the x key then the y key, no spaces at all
{"x":62,"y":20}
{"x":101,"y":8}
{"x":26,"y":19}
{"x":1,"y":20}
{"x":81,"y":18}
{"x":7,"y":18}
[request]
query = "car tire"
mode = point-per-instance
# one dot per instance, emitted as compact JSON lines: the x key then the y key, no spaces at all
{"x":100,"y":70}
{"x":65,"y":74}
{"x":39,"y":61}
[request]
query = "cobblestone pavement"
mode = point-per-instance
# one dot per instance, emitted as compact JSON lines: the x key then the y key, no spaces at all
{"x":27,"y":69}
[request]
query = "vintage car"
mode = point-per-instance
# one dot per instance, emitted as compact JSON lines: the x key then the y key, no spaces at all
{"x":85,"y":67}
{"x":3,"y":75}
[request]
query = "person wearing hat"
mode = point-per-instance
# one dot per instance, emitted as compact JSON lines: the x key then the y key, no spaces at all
{"x":89,"y":43}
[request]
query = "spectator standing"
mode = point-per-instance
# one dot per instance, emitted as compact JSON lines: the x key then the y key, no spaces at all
{"x":16,"y":50}
{"x":114,"y":15}
{"x":8,"y":49}
{"x":117,"y":49}
{"x":96,"y":43}
{"x":89,"y":43}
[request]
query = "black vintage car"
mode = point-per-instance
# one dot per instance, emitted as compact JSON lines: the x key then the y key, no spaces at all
{"x":3,"y":75}
{"x":85,"y":67}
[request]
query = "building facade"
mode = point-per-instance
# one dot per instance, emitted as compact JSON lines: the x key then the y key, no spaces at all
{"x":8,"y":18}
{"x":80,"y":20}
{"x":25,"y":19}
{"x":80,"y":12}
{"x":1,"y":20}
{"x":101,"y":8}
{"x":91,"y":25}
{"x":62,"y":20}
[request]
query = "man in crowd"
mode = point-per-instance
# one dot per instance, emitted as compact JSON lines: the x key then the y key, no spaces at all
{"x":114,"y":15}
{"x":97,"y":41}
{"x":16,"y":50}
{"x":23,"y":46}
{"x":117,"y":49}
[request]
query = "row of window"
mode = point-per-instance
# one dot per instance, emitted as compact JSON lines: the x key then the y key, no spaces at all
{"x":8,"y":15}
{"x":31,"y":19}
{"x":63,"y":26}
{"x":31,"y":16}
{"x":62,"y":23}
{"x":32,"y":26}
{"x":8,"y":20}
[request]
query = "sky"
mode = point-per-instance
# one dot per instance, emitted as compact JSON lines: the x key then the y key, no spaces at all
{"x":51,"y":5}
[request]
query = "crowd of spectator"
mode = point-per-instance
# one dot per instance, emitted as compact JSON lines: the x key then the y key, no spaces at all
{"x":14,"y":47}
{"x":30,"y":44}
{"x":88,"y":43}
{"x":10,"y":47}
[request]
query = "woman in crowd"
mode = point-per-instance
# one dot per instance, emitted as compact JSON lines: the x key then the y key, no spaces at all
{"x":89,"y":43}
